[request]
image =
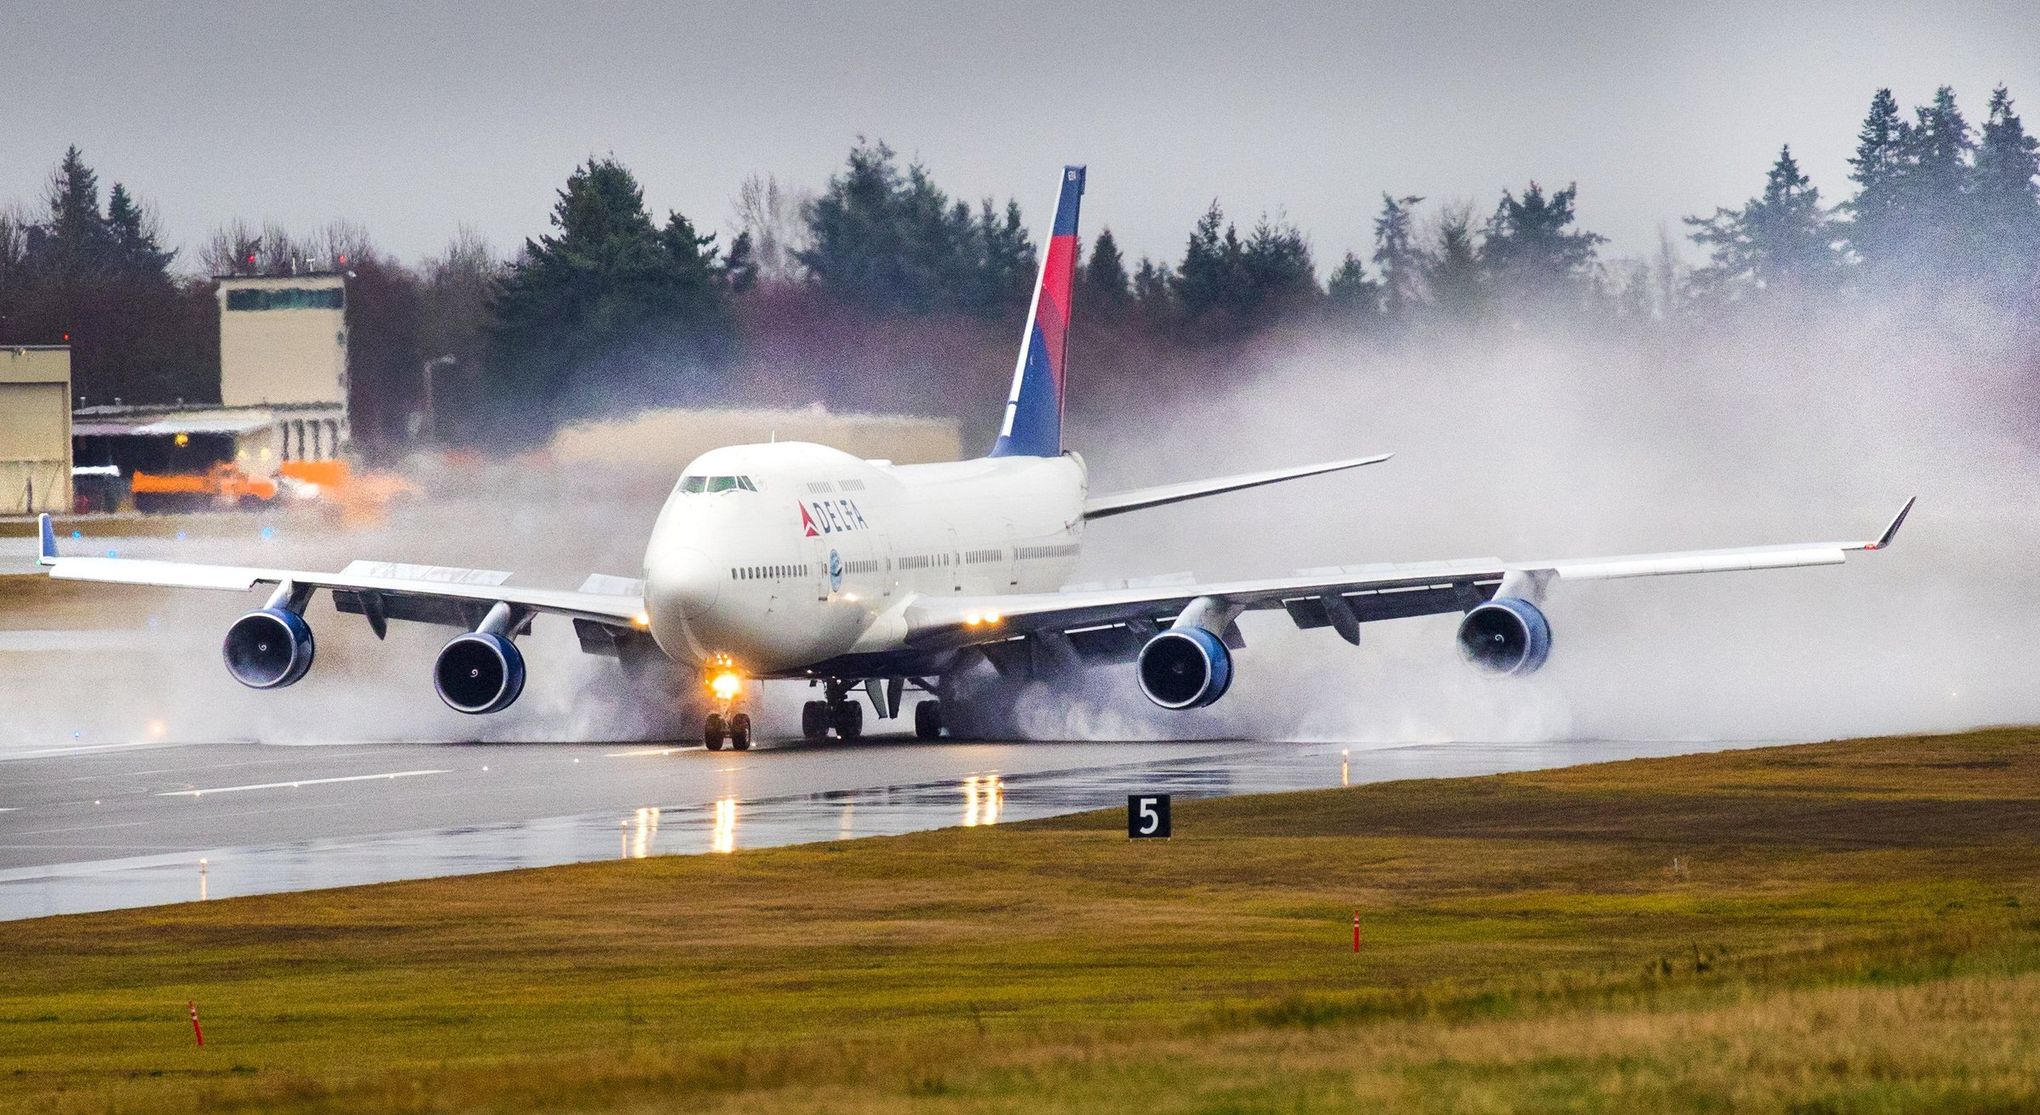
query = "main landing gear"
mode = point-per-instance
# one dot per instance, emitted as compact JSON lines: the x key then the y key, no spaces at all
{"x":838,"y":713}
{"x":928,"y":719}
{"x":843,"y":714}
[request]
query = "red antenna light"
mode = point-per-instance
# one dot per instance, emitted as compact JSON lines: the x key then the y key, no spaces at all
{"x":343,"y":259}
{"x":67,"y":338}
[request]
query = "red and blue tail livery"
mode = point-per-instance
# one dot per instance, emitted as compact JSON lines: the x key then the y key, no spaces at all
{"x":1034,"y":412}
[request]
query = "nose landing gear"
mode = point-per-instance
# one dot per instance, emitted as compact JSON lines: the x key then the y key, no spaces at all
{"x":735,"y":729}
{"x":726,"y":689}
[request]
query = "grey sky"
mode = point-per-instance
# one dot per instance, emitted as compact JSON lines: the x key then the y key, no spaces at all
{"x":412,"y":118}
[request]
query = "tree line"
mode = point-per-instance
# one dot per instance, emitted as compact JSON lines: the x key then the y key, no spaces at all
{"x":613,"y":308}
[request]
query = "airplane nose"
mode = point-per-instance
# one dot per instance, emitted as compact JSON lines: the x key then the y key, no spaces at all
{"x":686,"y":583}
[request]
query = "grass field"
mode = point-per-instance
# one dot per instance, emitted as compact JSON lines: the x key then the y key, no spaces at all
{"x":1845,"y":927}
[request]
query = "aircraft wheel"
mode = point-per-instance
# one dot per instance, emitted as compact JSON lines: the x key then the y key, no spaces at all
{"x":928,"y":720}
{"x":849,"y":718}
{"x":814,"y":720}
{"x":714,"y":731}
{"x":740,"y":731}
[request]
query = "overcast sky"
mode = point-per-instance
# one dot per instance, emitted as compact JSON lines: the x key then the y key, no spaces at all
{"x":411,"y":118}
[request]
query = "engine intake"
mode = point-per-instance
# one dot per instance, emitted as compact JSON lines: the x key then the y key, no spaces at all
{"x":479,"y":672}
{"x":1507,"y":635}
{"x":268,"y":649}
{"x":1184,"y":668}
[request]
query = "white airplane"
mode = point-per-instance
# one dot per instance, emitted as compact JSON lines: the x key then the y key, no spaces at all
{"x":797,"y":561}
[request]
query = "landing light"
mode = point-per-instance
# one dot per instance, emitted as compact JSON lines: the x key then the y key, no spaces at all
{"x":642,"y":619}
{"x":726,"y":684}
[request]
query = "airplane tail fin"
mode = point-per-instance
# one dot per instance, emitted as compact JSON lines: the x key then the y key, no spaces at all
{"x":1034,"y":412}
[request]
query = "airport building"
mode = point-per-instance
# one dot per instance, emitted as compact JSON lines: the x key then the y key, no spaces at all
{"x":283,"y":392}
{"x":35,"y":429}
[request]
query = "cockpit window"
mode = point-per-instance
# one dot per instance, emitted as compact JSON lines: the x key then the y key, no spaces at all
{"x":695,"y":484}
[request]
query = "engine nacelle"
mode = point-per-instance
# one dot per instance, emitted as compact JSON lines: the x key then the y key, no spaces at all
{"x":479,"y":672}
{"x":1185,"y":667}
{"x":268,"y":649}
{"x":1507,"y":635}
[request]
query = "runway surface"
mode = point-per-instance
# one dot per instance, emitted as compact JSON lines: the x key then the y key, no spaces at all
{"x":118,"y":825}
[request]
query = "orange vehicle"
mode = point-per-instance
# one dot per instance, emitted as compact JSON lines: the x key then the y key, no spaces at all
{"x":225,"y":485}
{"x":220,"y":485}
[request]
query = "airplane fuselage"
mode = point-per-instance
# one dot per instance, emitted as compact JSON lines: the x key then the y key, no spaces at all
{"x":785,"y":555}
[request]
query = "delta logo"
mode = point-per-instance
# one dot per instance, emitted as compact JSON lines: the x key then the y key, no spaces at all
{"x":830,"y":516}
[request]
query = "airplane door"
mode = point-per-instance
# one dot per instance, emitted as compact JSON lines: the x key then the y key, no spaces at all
{"x":955,"y":561}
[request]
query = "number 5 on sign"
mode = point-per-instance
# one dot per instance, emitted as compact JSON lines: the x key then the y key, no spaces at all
{"x":1147,"y":816}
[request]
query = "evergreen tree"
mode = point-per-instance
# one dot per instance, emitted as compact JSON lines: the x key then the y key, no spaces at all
{"x":607,"y":305}
{"x":1105,"y":275}
{"x":1152,"y":293}
{"x":1395,"y":253}
{"x":893,"y":242}
{"x":1936,"y":195}
{"x":1202,"y":282}
{"x":1452,"y":267}
{"x":2006,"y":183}
{"x":1276,"y":274}
{"x":1531,"y":253}
{"x":1007,"y":261}
{"x":1878,"y":170}
{"x":131,"y":237}
{"x":72,"y":244}
{"x":740,"y":266}
{"x":1780,"y":239}
{"x":1351,"y":294}
{"x":1226,"y":286}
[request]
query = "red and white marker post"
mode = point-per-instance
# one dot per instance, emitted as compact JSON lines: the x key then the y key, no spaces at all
{"x":195,"y":1031}
{"x":1356,"y":934}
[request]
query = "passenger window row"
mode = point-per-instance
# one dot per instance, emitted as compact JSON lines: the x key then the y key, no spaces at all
{"x":767,"y":572}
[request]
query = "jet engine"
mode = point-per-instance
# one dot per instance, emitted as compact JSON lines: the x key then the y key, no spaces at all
{"x":269,"y":648}
{"x":479,"y":672}
{"x":1507,"y":635}
{"x":1184,"y":668}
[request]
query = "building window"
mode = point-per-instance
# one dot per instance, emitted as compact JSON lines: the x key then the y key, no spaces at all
{"x":288,"y":298}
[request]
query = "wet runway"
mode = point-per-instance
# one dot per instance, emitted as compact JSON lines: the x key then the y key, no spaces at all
{"x":110,"y":826}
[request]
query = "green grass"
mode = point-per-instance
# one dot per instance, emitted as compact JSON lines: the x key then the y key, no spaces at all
{"x":1853,"y":927}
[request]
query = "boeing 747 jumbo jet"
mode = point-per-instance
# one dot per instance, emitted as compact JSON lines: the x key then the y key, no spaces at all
{"x":796,"y":561}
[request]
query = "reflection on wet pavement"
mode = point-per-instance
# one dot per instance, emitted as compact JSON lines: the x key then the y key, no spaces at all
{"x":730,"y":823}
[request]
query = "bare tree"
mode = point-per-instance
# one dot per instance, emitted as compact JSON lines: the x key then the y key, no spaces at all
{"x":1669,"y":275}
{"x":773,"y":215}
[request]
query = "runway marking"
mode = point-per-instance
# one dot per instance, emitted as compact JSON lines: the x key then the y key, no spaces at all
{"x":640,"y":752}
{"x":297,"y":783}
{"x":80,"y":749}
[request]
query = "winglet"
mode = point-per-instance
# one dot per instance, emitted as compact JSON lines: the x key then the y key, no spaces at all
{"x":1891,"y":532}
{"x":48,"y":554}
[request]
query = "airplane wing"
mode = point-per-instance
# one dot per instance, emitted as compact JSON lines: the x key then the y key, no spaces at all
{"x":380,"y":591}
{"x":1122,"y":502}
{"x":1114,"y":623}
